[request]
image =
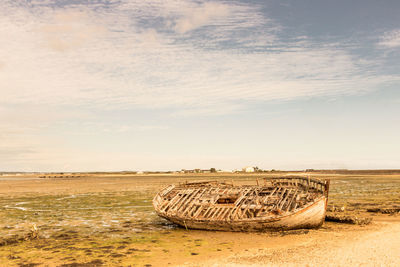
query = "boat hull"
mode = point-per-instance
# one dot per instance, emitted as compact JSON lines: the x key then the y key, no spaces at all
{"x":276,"y":204}
{"x":312,"y":216}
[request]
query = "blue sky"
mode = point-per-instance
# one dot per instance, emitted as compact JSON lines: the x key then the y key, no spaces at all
{"x":165,"y":85}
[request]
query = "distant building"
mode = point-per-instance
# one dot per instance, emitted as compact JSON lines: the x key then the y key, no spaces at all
{"x":248,"y":169}
{"x":189,"y":171}
{"x":226,"y":170}
{"x":198,"y":170}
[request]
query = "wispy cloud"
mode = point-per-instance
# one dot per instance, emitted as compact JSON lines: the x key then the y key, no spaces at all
{"x":15,"y":144}
{"x":390,"y":39}
{"x":201,"y":14}
{"x":105,"y":57}
{"x":116,"y":128}
{"x":69,"y":29}
{"x":98,"y":56}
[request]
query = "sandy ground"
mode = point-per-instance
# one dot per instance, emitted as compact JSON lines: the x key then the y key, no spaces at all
{"x":378,"y":246}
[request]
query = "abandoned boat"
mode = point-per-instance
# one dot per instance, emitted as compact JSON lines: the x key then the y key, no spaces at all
{"x":272,"y":204}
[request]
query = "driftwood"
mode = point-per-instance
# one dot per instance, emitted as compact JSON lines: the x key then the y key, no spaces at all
{"x":278,"y":203}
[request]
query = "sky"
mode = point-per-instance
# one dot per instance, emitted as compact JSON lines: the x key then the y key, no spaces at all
{"x":106,"y":85}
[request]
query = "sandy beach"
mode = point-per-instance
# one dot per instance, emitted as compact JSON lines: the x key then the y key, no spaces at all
{"x":378,"y":245}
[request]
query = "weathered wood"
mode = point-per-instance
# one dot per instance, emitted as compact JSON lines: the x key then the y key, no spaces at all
{"x":291,"y":201}
{"x":192,"y":203}
{"x":281,"y":196}
{"x":184,"y":206}
{"x":278,"y":203}
{"x":176,"y":198}
{"x":214,"y":211}
{"x":285,"y":199}
{"x":238,"y":202}
{"x":225,"y":213}
{"x":167,"y":190}
{"x":182,"y":200}
{"x":208,"y":211}
{"x":247,"y":206}
{"x":202,"y":205}
{"x":218,"y":213}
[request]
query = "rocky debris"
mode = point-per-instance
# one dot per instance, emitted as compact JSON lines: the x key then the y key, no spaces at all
{"x":33,"y":233}
{"x":386,"y":210}
{"x":11,"y":240}
{"x":337,"y":209}
{"x":346,"y":218}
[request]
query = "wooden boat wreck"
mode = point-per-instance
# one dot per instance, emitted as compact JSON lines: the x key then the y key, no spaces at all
{"x":273,"y":204}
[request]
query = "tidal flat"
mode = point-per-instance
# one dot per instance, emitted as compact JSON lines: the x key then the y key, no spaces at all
{"x":108,"y":220}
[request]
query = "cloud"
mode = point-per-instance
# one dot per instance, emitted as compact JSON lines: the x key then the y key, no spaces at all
{"x":68,"y":29}
{"x":125,"y":57}
{"x":15,"y":153}
{"x":200,"y":15}
{"x":116,"y":128}
{"x":15,"y":144}
{"x":211,"y":110}
{"x":390,"y":39}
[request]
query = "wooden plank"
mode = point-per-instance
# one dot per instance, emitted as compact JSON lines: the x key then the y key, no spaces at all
{"x":277,"y":191}
{"x":197,"y":213}
{"x":203,"y":206}
{"x":182,"y":200}
{"x":184,"y":203}
{"x":172,"y":201}
{"x":251,"y":206}
{"x":209,"y":210}
{"x":212,"y":212}
{"x":267,"y":196}
{"x":246,"y":208}
{"x":223,"y":215}
{"x":185,"y":207}
{"x":285,"y":199}
{"x":281,"y":195}
{"x":293,"y":197}
{"x":196,"y":196}
{"x":192,"y":210}
{"x":167,"y":190}
{"x":195,"y":205}
{"x":216,"y":215}
{"x":239,"y":202}
{"x":183,"y":197}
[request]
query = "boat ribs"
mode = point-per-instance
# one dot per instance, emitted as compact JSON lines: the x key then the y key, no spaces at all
{"x":279,"y":203}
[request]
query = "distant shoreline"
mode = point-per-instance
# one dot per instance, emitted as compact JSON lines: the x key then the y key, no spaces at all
{"x":29,"y":175}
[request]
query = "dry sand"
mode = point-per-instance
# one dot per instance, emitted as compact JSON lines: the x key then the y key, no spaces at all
{"x":377,"y":246}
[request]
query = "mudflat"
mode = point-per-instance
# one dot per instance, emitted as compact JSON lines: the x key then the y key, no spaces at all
{"x":109,"y":220}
